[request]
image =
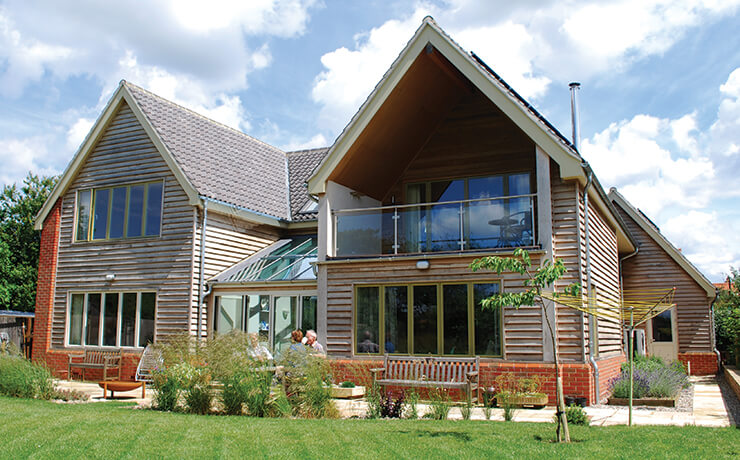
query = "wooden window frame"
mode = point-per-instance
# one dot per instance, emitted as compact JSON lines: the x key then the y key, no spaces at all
{"x":101,"y":320}
{"x":89,"y":237}
{"x":440,"y":317}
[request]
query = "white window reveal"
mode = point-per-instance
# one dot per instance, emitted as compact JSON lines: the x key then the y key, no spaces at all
{"x":111,"y":319}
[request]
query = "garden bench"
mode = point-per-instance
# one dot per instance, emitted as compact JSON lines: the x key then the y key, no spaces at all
{"x":430,"y":371}
{"x":96,"y":359}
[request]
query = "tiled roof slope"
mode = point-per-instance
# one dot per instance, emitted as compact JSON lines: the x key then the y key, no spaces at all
{"x":221,"y":163}
{"x":301,"y":165}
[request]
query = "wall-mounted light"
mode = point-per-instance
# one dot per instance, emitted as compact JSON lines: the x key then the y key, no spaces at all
{"x":110,"y":276}
{"x":422,"y":264}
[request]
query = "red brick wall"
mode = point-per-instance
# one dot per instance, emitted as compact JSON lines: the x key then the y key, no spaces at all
{"x":58,"y":360}
{"x":701,"y":363}
{"x":48,"y":253}
{"x":577,"y":378}
{"x":609,"y":369}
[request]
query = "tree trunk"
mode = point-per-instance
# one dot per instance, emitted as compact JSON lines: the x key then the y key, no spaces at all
{"x":560,"y":399}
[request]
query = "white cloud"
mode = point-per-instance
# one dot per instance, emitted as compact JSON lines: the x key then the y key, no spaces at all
{"x":315,"y":142}
{"x":19,"y":156}
{"x":77,"y":132}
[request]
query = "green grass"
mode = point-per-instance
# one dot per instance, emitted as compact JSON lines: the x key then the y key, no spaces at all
{"x":41,"y":429}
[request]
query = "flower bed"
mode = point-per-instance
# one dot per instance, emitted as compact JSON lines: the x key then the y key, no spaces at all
{"x":655,"y":383}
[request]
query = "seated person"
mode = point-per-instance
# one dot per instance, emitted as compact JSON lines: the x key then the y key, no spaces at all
{"x":312,"y":343}
{"x":258,"y":351}
{"x":367,"y":345}
{"x":296,"y":341}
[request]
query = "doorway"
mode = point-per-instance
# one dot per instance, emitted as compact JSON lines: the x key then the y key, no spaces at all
{"x":662,"y":336}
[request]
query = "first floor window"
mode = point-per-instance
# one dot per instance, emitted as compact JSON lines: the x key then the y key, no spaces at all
{"x":111,"y":319}
{"x":423,"y":319}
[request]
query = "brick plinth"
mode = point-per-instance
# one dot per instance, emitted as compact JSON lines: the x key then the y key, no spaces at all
{"x":609,"y":369}
{"x":48,"y":255}
{"x":701,"y":363}
{"x":577,"y":378}
{"x":57,"y":361}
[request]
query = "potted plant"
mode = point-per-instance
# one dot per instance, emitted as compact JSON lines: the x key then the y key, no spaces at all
{"x":520,"y":392}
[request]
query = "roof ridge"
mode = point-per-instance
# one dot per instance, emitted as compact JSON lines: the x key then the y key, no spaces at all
{"x":199,"y":115}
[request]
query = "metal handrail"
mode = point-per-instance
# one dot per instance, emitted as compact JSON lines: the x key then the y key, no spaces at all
{"x":436,"y":203}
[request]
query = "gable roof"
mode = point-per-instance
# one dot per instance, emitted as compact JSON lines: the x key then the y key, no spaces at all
{"x":523,"y":114}
{"x":653,"y":232}
{"x":237,"y":172}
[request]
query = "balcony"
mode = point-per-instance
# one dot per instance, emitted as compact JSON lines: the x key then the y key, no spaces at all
{"x":449,"y":226}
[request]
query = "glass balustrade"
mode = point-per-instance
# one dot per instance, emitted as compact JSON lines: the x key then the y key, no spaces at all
{"x":488,"y":223}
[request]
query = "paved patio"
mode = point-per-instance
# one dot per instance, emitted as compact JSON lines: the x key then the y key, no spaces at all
{"x":709,"y":408}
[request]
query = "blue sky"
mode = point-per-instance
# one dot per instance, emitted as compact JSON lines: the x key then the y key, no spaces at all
{"x":660,"y":102}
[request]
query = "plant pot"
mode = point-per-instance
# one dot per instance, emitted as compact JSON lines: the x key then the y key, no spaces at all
{"x":575,"y":401}
{"x":338,"y":392}
{"x":537,"y":400}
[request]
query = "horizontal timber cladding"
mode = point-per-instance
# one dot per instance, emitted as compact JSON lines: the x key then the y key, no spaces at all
{"x":229,"y":240}
{"x":566,"y":246}
{"x":653,"y":268}
{"x":124,"y":154}
{"x":605,"y":277}
{"x":478,"y":138}
{"x":522,"y":328}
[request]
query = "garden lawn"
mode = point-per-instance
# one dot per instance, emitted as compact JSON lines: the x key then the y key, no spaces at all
{"x":42,"y":429}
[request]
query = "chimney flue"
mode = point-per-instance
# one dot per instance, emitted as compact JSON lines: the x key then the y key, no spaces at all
{"x":574,"y":116}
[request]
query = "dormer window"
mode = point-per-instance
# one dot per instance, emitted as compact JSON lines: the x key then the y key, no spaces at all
{"x":128,"y":211}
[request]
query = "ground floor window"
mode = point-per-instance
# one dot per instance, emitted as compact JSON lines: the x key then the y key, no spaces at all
{"x":273,"y":316}
{"x":421,"y":319}
{"x":111,"y":319}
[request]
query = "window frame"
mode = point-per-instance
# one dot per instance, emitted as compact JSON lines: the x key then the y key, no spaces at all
{"x":89,"y":237}
{"x":440,"y":317}
{"x":101,"y":320}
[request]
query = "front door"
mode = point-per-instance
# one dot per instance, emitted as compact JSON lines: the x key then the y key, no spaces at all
{"x":662,"y":337}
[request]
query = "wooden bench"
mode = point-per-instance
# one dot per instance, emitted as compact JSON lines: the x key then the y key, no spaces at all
{"x":96,"y":359}
{"x":431,"y":371}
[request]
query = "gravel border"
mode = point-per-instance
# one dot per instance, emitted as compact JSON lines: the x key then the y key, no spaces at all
{"x":684,"y":403}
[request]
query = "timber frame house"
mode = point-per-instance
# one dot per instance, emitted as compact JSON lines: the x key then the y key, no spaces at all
{"x":166,"y":221}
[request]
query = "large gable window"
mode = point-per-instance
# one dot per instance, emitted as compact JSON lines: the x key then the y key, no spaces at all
{"x":128,"y":211}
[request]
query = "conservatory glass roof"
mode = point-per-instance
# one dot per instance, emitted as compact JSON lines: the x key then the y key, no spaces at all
{"x":286,"y":260}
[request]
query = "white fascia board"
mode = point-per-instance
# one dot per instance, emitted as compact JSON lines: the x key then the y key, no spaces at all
{"x":663,"y":242}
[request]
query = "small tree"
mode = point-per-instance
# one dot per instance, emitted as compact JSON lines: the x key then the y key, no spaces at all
{"x":727,"y":318}
{"x":534,"y":283}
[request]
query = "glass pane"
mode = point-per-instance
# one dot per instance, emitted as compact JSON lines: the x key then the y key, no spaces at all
{"x":519,"y":184}
{"x":128,"y":320}
{"x":230,"y":313}
{"x":425,"y":320}
{"x":662,"y":329}
{"x":487,"y":322}
{"x":445,"y":219}
{"x":93,"y":320}
{"x":258,"y":316}
{"x":412,"y":229}
{"x":367,"y":326}
{"x":135,"y":210}
{"x":153,"y":209}
{"x":396,"y":319}
{"x":487,"y":224}
{"x":118,"y":211}
{"x":285,"y":321}
{"x":146,"y":319}
{"x":359,"y":233}
{"x":110,"y":320}
{"x":455,"y":319}
{"x":100,"y":220}
{"x":308,"y":313}
{"x":75,"y":319}
{"x":83,"y":214}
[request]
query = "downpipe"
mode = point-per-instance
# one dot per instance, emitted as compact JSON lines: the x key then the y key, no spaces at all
{"x":591,"y":321}
{"x":201,"y":275}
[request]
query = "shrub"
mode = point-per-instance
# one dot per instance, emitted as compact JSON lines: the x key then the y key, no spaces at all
{"x":374,"y":397}
{"x":308,"y":382}
{"x":439,"y":404}
{"x":347,"y":384}
{"x":487,"y":403}
{"x":653,"y":378}
{"x":575,"y":415}
{"x":392,"y":408}
{"x":69,"y":395}
{"x":24,"y":379}
{"x":197,"y":385}
{"x":167,"y":385}
{"x":466,"y":410}
{"x":412,"y":399}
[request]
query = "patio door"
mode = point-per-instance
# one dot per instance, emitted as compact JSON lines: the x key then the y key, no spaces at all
{"x":662,"y":336}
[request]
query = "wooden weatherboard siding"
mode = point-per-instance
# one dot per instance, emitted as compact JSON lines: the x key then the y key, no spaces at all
{"x":124,"y":154}
{"x":523,"y":328}
{"x":605,"y":277}
{"x":229,"y":240}
{"x":653,"y":268}
{"x":566,"y":236}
